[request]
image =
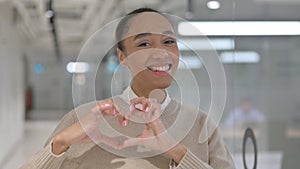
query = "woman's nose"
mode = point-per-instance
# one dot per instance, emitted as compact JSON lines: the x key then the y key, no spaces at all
{"x":158,"y":53}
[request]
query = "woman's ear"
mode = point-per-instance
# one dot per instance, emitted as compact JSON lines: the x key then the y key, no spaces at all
{"x":121,"y":57}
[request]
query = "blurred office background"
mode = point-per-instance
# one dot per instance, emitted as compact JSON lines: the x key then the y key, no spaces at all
{"x":40,"y":40}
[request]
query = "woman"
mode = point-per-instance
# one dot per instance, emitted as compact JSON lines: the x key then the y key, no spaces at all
{"x":147,"y":46}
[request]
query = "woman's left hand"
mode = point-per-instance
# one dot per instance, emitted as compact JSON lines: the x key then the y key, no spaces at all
{"x":155,"y":136}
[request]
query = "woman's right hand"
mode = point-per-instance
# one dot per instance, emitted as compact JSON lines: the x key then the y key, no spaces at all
{"x":76,"y":134}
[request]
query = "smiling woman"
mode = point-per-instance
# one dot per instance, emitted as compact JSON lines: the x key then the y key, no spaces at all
{"x":167,"y":133}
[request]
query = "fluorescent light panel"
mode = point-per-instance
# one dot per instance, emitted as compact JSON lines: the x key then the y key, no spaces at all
{"x":239,"y":28}
{"x":191,"y":62}
{"x":240,"y":57}
{"x":77,"y":67}
{"x":205,"y":44}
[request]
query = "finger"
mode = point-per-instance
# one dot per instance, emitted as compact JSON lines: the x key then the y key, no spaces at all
{"x":157,"y":126}
{"x":102,"y":107}
{"x":137,"y":100}
{"x":148,"y":105}
{"x":115,"y":112}
{"x":155,"y":109}
{"x":123,"y":121}
{"x":105,"y":104}
{"x":154,"y":114}
{"x":147,"y":110}
{"x":140,"y":100}
{"x":149,"y":115}
{"x":107,"y":112}
{"x":108,"y":101}
{"x":130,"y":142}
{"x":106,"y":109}
{"x":137,"y":113}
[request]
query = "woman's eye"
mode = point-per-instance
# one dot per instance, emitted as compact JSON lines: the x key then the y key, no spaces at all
{"x":170,"y":42}
{"x":144,"y":44}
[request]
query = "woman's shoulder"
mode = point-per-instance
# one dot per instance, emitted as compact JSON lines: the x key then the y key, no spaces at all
{"x":190,"y":108}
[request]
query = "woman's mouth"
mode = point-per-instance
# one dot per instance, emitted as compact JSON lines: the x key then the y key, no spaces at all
{"x":160,"y":70}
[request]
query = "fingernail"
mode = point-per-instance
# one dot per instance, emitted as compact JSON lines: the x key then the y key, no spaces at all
{"x":125,"y":123}
{"x":106,"y":104}
{"x":147,"y":109}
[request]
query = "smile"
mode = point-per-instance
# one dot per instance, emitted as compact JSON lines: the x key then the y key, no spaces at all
{"x":160,"y":68}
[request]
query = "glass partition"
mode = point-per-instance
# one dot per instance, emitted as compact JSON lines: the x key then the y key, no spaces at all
{"x":262,"y":67}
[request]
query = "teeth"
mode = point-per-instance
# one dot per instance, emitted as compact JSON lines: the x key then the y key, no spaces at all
{"x":160,"y":68}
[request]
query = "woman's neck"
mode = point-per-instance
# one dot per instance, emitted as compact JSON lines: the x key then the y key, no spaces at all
{"x":159,"y":94}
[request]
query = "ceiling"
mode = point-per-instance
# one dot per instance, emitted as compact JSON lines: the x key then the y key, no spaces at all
{"x":76,"y":20}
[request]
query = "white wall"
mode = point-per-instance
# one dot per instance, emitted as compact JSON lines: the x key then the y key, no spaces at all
{"x":48,"y":92}
{"x":11,"y":84}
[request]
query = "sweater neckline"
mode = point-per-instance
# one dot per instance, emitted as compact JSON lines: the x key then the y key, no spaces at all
{"x":170,"y":109}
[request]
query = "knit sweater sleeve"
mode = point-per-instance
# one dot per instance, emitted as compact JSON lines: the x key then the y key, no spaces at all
{"x":190,"y":161}
{"x":219,"y":155}
{"x":45,"y":159}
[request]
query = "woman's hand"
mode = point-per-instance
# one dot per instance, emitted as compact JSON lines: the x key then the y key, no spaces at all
{"x":155,"y":135}
{"x":87,"y":128}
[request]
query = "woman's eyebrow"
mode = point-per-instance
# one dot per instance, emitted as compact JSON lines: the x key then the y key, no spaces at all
{"x":138,"y":36}
{"x":141,"y":35}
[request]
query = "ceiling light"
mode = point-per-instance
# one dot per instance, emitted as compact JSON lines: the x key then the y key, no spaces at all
{"x":77,"y":67}
{"x":213,"y":4}
{"x":240,"y":57}
{"x":49,"y":14}
{"x":205,"y":44}
{"x":239,"y":28}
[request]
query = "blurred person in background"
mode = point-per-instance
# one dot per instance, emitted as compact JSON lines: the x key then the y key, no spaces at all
{"x":243,"y":116}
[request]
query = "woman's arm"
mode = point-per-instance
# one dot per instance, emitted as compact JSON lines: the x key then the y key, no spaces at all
{"x":218,"y":155}
{"x":45,"y":159}
{"x":71,"y":131}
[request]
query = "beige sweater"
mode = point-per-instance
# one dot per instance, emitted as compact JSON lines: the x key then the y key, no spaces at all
{"x":212,"y":153}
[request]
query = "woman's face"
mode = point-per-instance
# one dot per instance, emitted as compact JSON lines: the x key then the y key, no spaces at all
{"x":150,"y":50}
